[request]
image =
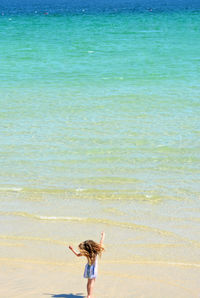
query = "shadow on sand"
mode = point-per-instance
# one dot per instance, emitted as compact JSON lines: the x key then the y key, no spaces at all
{"x":78,"y":295}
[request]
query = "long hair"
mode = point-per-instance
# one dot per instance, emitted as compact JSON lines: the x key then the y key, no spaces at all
{"x":90,"y":250}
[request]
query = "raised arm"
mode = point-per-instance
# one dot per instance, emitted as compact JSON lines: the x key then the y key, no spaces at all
{"x":102,"y":238}
{"x":77,"y":254}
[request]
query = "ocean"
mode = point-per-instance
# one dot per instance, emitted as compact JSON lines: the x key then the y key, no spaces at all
{"x":100,"y":129}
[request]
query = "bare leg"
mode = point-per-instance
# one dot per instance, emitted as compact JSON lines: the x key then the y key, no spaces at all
{"x":90,"y":285}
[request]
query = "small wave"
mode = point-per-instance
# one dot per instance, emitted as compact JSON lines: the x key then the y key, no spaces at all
{"x":14,"y":189}
{"x":148,"y":196}
{"x":90,"y":220}
{"x":65,"y":218}
{"x":41,"y":217}
{"x":80,"y":189}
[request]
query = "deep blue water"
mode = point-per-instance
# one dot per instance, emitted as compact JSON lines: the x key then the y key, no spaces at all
{"x":87,"y":6}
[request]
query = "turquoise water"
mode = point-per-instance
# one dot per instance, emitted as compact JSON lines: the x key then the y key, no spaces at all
{"x":105,"y":103}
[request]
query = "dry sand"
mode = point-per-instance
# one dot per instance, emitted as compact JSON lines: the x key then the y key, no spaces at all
{"x":33,"y":278}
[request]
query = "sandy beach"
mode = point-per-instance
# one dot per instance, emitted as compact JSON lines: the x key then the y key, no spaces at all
{"x":130,"y":266}
{"x":32,"y":278}
{"x":153,"y":254}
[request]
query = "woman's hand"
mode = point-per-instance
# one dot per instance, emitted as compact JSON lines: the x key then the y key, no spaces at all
{"x":70,"y":247}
